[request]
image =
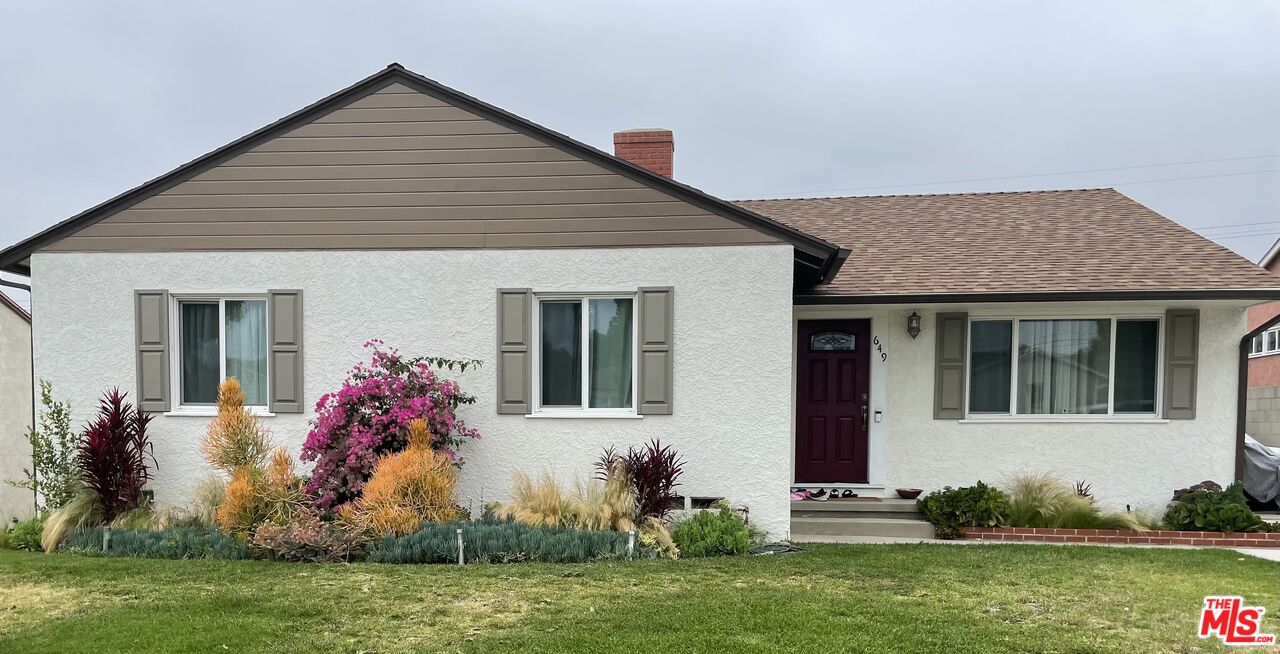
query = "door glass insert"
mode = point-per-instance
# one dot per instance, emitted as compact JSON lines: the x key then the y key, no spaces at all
{"x":831,"y":341}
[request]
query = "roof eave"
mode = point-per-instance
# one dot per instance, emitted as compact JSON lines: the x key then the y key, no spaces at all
{"x":1256,"y":294}
{"x":1270,"y":257}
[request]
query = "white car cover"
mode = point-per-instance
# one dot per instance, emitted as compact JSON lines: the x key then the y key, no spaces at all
{"x":1261,"y":470}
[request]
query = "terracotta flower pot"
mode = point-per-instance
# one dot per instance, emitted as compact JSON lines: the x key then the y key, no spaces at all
{"x":909,"y":493}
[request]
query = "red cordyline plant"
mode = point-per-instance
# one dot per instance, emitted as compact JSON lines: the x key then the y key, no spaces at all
{"x":113,"y":454}
{"x":369,"y":417}
{"x":654,"y":471}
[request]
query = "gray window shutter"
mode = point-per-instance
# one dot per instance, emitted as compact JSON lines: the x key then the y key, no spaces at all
{"x":657,"y":304}
{"x":515,"y":336}
{"x":949,"y":366}
{"x":284,"y":319}
{"x":151,"y":338}
{"x":1181,"y":347}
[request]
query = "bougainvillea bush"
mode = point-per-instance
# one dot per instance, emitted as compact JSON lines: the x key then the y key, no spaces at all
{"x":369,"y":417}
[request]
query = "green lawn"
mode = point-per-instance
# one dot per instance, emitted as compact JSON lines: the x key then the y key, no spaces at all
{"x":909,"y":598}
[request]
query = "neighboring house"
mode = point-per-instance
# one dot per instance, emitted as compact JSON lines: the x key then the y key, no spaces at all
{"x":15,"y":407}
{"x":1264,"y":364}
{"x":871,"y":343}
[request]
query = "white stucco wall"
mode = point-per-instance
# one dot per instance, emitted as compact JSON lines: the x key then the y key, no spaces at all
{"x":1137,"y":463}
{"x":732,"y":354}
{"x":15,"y":412}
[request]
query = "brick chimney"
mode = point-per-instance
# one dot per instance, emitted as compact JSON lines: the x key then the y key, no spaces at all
{"x":648,"y":148}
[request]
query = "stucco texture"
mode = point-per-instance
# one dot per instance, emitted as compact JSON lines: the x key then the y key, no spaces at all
{"x":15,"y":412}
{"x":1128,"y":463}
{"x":732,"y":363}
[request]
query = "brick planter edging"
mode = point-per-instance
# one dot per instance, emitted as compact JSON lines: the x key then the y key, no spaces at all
{"x":1122,"y":537}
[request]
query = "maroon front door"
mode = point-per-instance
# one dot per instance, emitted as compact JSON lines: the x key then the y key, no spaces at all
{"x":832,"y":393}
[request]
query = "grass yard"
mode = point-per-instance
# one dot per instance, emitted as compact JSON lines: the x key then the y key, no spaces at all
{"x":909,"y":598}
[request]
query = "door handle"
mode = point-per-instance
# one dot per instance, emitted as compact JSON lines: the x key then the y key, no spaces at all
{"x":864,"y":417}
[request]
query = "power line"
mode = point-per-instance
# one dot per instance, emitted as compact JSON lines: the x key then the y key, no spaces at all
{"x":1177,"y":179}
{"x":1065,"y":172}
{"x":1227,"y":238}
{"x":1233,"y":225}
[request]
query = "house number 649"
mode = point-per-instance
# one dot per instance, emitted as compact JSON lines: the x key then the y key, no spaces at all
{"x":884,"y":356}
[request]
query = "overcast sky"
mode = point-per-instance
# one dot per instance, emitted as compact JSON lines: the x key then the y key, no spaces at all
{"x":767,"y":99}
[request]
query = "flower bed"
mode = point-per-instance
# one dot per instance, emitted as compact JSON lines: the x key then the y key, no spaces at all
{"x":1122,"y":537}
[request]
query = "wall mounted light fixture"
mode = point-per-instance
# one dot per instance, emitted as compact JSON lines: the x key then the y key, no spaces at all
{"x":913,"y":324}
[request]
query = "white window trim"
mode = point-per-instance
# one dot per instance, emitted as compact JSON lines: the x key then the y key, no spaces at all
{"x":1265,"y":338}
{"x":1111,"y":416}
{"x":584,"y":411}
{"x":175,"y":360}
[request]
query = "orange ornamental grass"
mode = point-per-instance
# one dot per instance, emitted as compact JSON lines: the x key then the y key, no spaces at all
{"x":407,"y":489}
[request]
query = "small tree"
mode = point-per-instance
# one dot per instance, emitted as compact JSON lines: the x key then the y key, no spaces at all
{"x":53,"y":476}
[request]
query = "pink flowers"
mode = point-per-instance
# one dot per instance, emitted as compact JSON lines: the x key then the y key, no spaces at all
{"x":369,"y":416}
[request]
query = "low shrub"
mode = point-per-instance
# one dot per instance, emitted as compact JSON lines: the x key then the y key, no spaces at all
{"x":305,"y":537}
{"x":503,"y":541}
{"x":179,"y":543}
{"x":242,"y":507}
{"x":26,"y":534}
{"x":712,"y":533}
{"x":654,"y":472}
{"x":1046,"y":501}
{"x":407,"y":489}
{"x":280,"y":489}
{"x":1204,"y":508}
{"x":235,"y":438}
{"x":592,"y":505}
{"x":950,"y":510}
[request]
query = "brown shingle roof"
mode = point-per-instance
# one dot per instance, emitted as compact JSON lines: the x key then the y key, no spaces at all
{"x":1033,"y":242}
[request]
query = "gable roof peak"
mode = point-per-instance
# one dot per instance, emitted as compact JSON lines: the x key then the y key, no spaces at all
{"x":816,"y":259}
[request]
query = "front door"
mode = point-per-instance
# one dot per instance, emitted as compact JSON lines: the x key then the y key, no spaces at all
{"x":832,"y":401}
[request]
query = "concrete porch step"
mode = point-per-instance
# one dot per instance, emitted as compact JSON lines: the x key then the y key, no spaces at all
{"x":889,"y":508}
{"x":860,"y":526}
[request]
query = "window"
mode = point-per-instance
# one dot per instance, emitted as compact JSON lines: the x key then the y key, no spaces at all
{"x":1267,"y":342}
{"x":831,"y":342}
{"x":1095,"y":366}
{"x":586,"y":354}
{"x":220,"y":338}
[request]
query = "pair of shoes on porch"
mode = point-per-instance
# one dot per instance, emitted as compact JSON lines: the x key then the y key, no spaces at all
{"x":822,"y":495}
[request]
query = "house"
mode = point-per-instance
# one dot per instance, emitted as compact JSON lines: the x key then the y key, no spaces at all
{"x":1264,"y":366}
{"x":15,"y":407}
{"x":866,"y":343}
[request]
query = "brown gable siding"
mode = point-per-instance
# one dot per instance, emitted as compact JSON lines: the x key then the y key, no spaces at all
{"x":400,"y":169}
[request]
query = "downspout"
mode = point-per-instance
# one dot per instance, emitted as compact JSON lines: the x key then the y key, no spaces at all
{"x":1242,"y":392}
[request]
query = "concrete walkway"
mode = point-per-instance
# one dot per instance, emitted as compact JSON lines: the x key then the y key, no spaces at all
{"x":1270,"y":554}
